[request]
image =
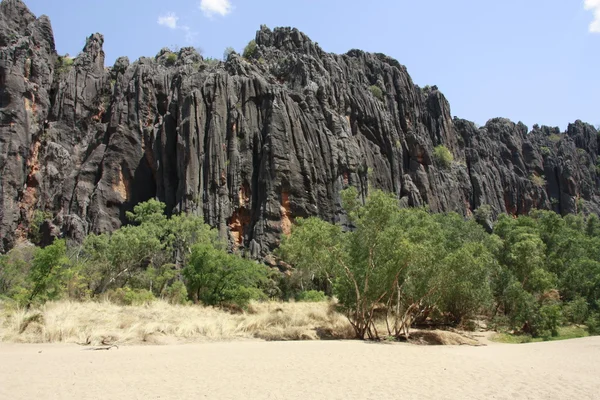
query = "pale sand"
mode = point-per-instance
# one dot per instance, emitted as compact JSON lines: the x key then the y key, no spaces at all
{"x":303,"y":370}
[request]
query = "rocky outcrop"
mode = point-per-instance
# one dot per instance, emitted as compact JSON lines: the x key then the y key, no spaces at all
{"x":251,"y":144}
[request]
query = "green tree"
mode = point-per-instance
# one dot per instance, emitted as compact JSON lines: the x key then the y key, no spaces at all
{"x":378,"y":263}
{"x":14,"y":269}
{"x":309,"y":250}
{"x":227,"y":52}
{"x":524,"y":253}
{"x":592,"y":228}
{"x":147,"y":255}
{"x":45,"y":272}
{"x":217,"y":278}
{"x":582,"y":279}
{"x":577,"y":311}
{"x":113,"y":260}
{"x":466,"y":281}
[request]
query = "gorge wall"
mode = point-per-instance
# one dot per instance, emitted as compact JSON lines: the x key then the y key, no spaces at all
{"x":251,"y":144}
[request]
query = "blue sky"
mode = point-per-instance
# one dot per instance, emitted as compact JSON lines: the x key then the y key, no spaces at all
{"x":536,"y":61}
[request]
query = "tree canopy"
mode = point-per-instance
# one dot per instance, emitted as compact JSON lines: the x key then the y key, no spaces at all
{"x":390,"y":268}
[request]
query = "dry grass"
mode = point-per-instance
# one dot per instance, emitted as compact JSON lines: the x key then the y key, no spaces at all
{"x":96,"y":323}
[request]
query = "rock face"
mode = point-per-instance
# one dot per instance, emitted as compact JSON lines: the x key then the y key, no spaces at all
{"x":251,"y":144}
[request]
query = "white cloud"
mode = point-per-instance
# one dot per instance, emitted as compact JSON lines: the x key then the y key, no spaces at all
{"x":594,"y":7}
{"x":212,"y":7}
{"x":190,"y":35}
{"x":169,"y":20}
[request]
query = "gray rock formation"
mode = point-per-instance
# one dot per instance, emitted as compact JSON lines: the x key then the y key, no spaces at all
{"x":251,"y":144}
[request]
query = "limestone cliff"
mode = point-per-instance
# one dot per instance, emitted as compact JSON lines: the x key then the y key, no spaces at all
{"x":251,"y":144}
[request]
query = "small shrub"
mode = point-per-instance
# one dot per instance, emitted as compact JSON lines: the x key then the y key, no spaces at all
{"x":576,"y":311}
{"x":483,"y":213}
{"x":511,"y":339}
{"x":211,"y":61}
{"x":554,"y":138}
{"x":593,"y":324}
{"x":250,"y":49}
{"x":171,"y":59}
{"x":177,"y":293}
{"x":550,"y":318}
{"x":376,"y":91}
{"x":468,"y":325}
{"x":64,"y":64}
{"x":312,"y":296}
{"x":537,"y":180}
{"x":443,"y":156}
{"x":39,"y":217}
{"x":545,"y":151}
{"x":499,"y":323}
{"x":131,"y":297}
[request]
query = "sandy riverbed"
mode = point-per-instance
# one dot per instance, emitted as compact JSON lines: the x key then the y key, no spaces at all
{"x":303,"y":370}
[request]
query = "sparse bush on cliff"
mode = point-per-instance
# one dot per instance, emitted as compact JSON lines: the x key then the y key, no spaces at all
{"x":538,"y":180}
{"x":443,"y":156}
{"x":171,"y":59}
{"x":555,"y":138}
{"x":376,"y":91}
{"x":63,"y":64}
{"x":39,"y":217}
{"x":250,"y":49}
{"x":211,"y":61}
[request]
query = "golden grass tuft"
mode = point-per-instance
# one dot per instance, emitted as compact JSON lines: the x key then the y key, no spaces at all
{"x":97,"y":323}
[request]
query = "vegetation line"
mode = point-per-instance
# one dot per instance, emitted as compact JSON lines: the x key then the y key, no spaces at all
{"x":533,"y":277}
